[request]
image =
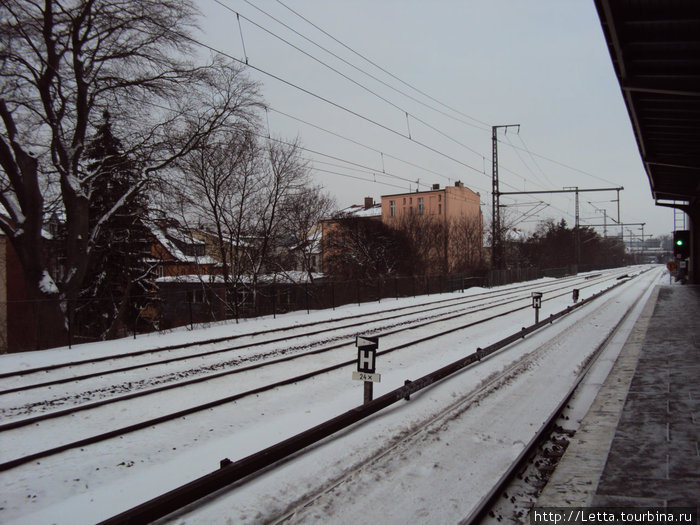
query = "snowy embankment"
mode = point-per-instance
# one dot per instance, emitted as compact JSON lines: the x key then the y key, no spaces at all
{"x":474,"y":434}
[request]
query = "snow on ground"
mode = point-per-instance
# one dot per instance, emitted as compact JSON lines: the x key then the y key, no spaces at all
{"x":435,"y":469}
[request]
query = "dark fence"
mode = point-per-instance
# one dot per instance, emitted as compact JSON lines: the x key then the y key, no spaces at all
{"x":192,"y":303}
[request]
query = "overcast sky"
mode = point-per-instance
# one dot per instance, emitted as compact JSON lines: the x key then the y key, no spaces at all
{"x":541,"y":64}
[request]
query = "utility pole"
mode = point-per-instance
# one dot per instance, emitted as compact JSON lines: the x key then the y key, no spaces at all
{"x":496,"y":241}
{"x":577,"y":236}
{"x":605,"y":224}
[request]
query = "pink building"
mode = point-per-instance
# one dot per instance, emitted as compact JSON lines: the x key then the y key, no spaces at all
{"x":447,"y":204}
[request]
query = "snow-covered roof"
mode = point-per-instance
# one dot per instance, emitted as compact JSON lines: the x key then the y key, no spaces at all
{"x":166,"y":237}
{"x":358,"y":210}
{"x":290,"y":277}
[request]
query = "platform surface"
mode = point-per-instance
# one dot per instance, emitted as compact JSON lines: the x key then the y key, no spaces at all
{"x":639,"y":444}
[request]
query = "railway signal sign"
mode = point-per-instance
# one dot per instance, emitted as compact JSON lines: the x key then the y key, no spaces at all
{"x":536,"y":299}
{"x":537,"y":304}
{"x":366,"y":353}
{"x":366,"y":363}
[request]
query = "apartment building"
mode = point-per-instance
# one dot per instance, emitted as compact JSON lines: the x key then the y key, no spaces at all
{"x":448,"y":203}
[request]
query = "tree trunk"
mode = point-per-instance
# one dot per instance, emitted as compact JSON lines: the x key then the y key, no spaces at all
{"x":49,"y":321}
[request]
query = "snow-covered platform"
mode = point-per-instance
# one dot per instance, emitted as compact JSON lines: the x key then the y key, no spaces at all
{"x":639,"y":444}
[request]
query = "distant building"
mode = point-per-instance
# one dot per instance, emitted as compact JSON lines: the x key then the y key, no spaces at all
{"x":447,"y":204}
{"x":445,"y":225}
{"x":370,"y":211}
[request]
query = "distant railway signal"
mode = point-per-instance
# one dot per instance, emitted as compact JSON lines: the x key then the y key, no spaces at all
{"x":681,"y":244}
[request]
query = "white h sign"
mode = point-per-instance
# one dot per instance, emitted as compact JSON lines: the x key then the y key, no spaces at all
{"x":365,"y":359}
{"x":366,"y":353}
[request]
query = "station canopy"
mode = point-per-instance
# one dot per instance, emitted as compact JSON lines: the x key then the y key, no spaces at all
{"x":655,"y":51}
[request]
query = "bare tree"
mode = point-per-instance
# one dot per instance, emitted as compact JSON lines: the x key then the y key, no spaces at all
{"x":364,"y":248}
{"x":286,"y":175}
{"x":465,"y":244}
{"x":220,"y":181}
{"x":61,"y":65}
{"x":428,"y":236}
{"x":301,"y":225}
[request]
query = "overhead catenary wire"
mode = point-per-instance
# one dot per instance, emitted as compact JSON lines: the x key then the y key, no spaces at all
{"x":372,"y":121}
{"x":322,"y":98}
{"x":409,"y":135}
{"x":449,"y":137}
{"x":487,"y":126}
{"x":357,"y":143}
{"x":374,"y":93}
{"x":482,"y":126}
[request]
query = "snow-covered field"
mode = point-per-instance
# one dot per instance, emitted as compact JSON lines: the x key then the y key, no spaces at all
{"x":430,"y":459}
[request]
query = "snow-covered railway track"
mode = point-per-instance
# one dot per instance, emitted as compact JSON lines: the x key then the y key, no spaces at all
{"x":104,"y":426}
{"x":59,"y":373}
{"x":239,"y":355}
{"x":493,"y":498}
{"x":363,"y":471}
{"x":383,"y":471}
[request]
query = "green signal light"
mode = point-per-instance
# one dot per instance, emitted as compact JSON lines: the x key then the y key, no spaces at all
{"x":679,"y":242}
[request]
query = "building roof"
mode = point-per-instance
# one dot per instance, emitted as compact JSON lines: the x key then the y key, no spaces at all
{"x":655,"y":51}
{"x":169,"y":235}
{"x":358,"y":210}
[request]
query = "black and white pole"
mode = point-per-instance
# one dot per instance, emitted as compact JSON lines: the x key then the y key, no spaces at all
{"x":537,"y":304}
{"x":366,"y":364}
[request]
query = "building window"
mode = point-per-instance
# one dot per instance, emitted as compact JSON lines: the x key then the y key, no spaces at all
{"x":439,"y":197}
{"x":421,"y":207}
{"x":439,"y":209}
{"x":392,"y":208}
{"x":196,"y":296}
{"x":404,"y":201}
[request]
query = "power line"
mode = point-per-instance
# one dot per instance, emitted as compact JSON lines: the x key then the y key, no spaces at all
{"x":340,"y":106}
{"x":370,"y":75}
{"x":449,"y":137}
{"x":353,"y":141}
{"x":324,"y":99}
{"x":487,"y":126}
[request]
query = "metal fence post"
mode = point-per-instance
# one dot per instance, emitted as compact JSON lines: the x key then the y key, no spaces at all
{"x":274,"y":303}
{"x":189,"y":304}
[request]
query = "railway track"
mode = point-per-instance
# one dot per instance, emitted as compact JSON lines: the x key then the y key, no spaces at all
{"x":488,"y":505}
{"x":366,"y":321}
{"x":146,"y":423}
{"x":494,"y":495}
{"x":5,"y":430}
{"x":65,"y":372}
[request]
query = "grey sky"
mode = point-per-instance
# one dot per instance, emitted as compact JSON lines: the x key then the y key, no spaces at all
{"x":540,"y":64}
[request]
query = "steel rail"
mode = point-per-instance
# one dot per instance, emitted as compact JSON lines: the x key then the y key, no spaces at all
{"x":489,"y":500}
{"x":231,"y":472}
